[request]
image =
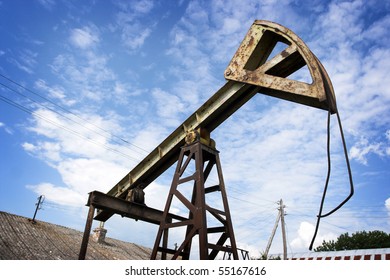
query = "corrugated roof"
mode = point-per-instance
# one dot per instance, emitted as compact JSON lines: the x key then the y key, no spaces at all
{"x":20,"y":239}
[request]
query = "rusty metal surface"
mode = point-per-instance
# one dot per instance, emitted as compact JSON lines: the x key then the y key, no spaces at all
{"x":210,"y":115}
{"x":252,"y":64}
{"x":87,"y":231}
{"x":200,"y":213}
{"x":128,"y":209}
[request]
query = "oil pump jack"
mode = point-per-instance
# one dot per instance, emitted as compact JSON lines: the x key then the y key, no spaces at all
{"x":252,"y":70}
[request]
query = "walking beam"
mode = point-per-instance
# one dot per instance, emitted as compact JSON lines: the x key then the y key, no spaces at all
{"x":251,"y":71}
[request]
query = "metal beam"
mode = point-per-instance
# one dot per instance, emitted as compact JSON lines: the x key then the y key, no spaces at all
{"x":209,"y":116}
{"x":87,"y":232}
{"x":124,"y":208}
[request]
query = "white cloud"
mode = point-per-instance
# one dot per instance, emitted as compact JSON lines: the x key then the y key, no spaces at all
{"x":26,"y":61}
{"x":305,"y":235}
{"x":134,"y":39}
{"x":169,"y":106}
{"x":84,"y":37}
{"x":80,"y":153}
{"x":84,"y":152}
{"x":131,"y":22}
{"x":48,"y":4}
{"x":84,"y":175}
{"x":54,"y":92}
{"x":29,"y":147}
{"x":123,"y":93}
{"x":231,"y":25}
{"x":6,"y":128}
{"x":59,"y":195}
{"x":362,"y":149}
{"x":362,"y":90}
{"x":150,"y":135}
{"x":49,"y":151}
{"x":85,"y":77}
{"x":78,"y":135}
{"x":378,"y":31}
{"x":387,"y":204}
{"x":143,"y":6}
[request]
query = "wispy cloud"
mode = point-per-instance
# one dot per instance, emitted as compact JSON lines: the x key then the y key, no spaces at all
{"x":81,"y":135}
{"x":55,"y":92}
{"x":47,"y":4}
{"x":48,"y":151}
{"x":130,"y":20}
{"x":360,"y":150}
{"x":59,"y":195}
{"x":357,"y":73}
{"x":26,"y":60}
{"x":86,"y":76}
{"x":6,"y":128}
{"x":169,"y":106}
{"x":84,"y":38}
{"x":79,"y":152}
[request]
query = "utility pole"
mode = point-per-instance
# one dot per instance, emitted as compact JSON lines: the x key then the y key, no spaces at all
{"x":280,"y":218}
{"x":281,"y":211}
{"x":272,"y":236}
{"x":41,"y":198}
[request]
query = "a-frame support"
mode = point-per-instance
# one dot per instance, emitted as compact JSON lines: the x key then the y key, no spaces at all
{"x":204,"y":220}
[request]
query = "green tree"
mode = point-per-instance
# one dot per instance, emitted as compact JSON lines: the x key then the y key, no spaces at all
{"x":359,"y":240}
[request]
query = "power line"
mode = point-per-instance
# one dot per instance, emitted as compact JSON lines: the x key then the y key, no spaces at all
{"x":65,"y":110}
{"x":55,"y":112}
{"x":350,"y":214}
{"x":83,"y":125}
{"x":25,"y":109}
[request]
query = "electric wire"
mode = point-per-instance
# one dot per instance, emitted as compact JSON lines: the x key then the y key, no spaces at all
{"x":65,"y":110}
{"x":25,"y":109}
{"x":72,"y":120}
{"x":55,"y":112}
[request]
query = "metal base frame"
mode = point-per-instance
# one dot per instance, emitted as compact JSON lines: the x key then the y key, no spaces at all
{"x":200,"y":213}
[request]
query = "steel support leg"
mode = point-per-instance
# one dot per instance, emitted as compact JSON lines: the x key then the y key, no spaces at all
{"x":87,"y":232}
{"x":198,"y":210}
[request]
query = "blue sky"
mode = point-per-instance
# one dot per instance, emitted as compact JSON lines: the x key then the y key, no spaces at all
{"x":88,"y":88}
